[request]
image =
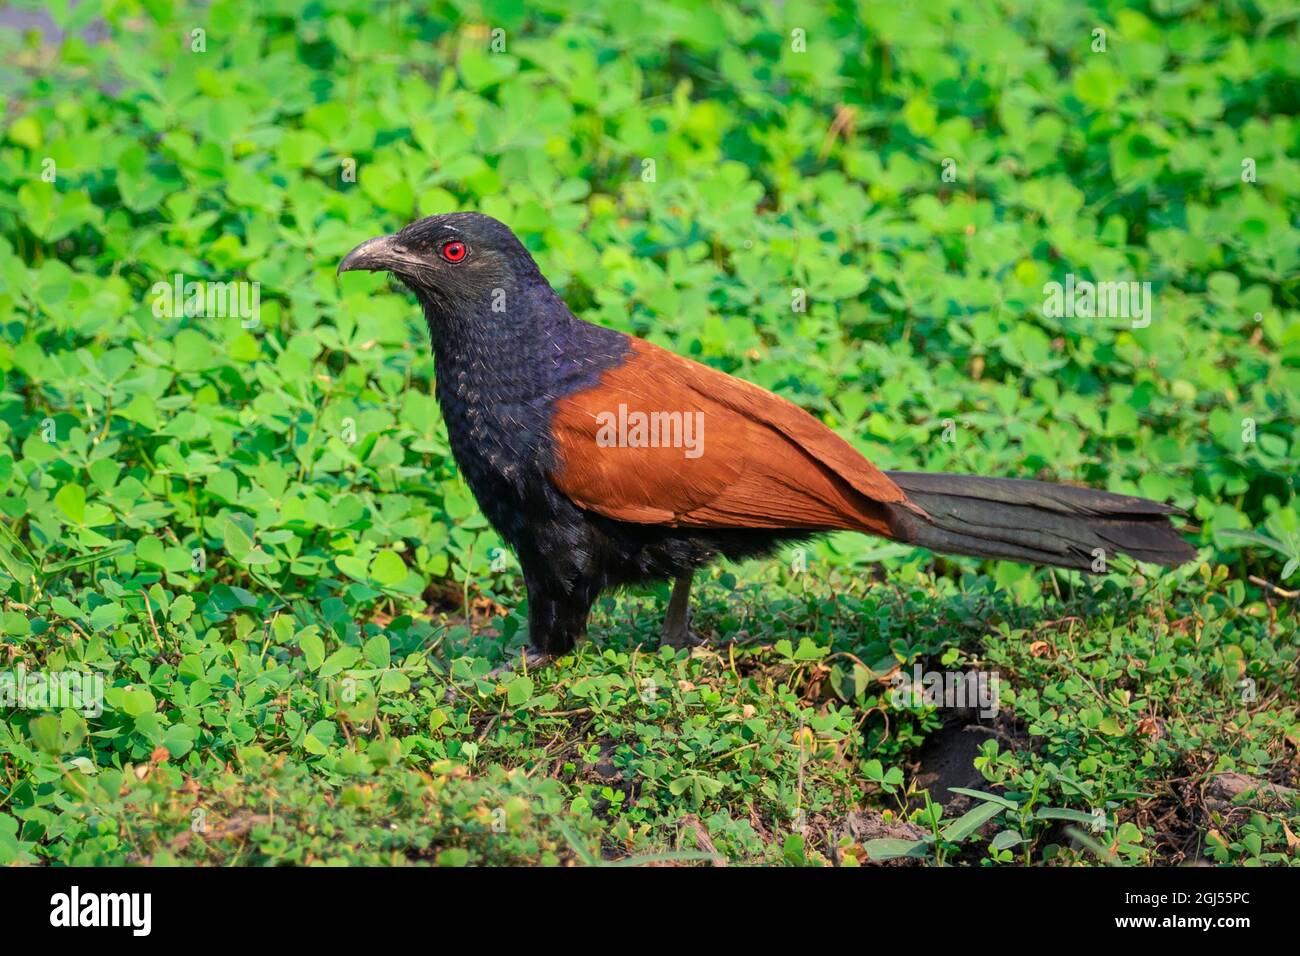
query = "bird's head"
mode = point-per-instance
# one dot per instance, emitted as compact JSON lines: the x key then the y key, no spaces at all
{"x":454,"y":263}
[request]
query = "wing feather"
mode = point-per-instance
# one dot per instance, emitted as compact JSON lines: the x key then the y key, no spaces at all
{"x":747,"y":458}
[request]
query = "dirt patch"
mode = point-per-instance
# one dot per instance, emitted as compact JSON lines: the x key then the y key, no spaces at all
{"x":947,"y":759}
{"x":863,"y":826}
{"x":1228,"y":792}
{"x":237,"y":826}
{"x":1169,"y":817}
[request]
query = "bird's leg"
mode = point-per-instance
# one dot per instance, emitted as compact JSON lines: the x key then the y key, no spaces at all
{"x":677,"y":622}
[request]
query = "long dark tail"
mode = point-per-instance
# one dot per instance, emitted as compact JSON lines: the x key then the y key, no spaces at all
{"x":1035,"y":521}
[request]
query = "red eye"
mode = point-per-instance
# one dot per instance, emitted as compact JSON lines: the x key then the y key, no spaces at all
{"x":453,"y":251}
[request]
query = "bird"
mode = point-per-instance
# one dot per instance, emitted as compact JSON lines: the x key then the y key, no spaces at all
{"x":605,"y":461}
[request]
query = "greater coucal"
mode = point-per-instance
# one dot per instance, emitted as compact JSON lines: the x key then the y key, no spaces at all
{"x":605,"y":461}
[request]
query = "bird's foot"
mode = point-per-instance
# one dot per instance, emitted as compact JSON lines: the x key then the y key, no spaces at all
{"x":527,"y":659}
{"x":681,"y":637}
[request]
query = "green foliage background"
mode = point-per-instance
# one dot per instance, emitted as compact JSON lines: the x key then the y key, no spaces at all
{"x":305,"y":664}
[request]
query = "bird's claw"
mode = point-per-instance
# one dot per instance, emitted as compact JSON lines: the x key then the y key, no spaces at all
{"x":530,"y":657}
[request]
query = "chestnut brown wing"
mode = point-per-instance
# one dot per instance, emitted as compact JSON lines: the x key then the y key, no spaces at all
{"x":744,"y":458}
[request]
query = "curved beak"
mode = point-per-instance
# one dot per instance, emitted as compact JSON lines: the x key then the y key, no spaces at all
{"x":381,"y":254}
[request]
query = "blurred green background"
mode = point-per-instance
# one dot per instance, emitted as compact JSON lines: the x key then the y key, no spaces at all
{"x":258,"y":537}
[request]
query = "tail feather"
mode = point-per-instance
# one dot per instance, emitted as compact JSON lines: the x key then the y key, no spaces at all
{"x":1035,"y":521}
